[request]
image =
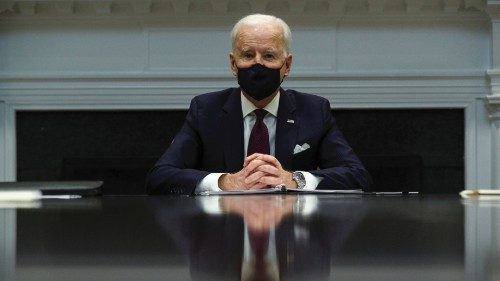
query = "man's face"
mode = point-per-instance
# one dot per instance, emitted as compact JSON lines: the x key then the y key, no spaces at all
{"x":260,"y":44}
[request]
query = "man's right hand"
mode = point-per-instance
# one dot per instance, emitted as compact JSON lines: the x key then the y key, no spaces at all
{"x":236,"y":181}
{"x":259,"y":171}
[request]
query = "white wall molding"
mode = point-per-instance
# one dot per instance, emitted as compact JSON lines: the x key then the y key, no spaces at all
{"x":155,"y":91}
{"x":493,"y":100}
{"x":22,"y":9}
{"x":307,"y":19}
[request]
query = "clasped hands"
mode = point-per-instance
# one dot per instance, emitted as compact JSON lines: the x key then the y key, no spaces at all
{"x":259,"y":171}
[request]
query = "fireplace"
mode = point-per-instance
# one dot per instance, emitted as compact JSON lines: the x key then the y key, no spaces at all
{"x":414,"y":149}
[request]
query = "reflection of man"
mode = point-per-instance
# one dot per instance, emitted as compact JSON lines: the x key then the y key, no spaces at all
{"x":260,"y":215}
{"x":303,"y":235}
{"x":258,"y":135}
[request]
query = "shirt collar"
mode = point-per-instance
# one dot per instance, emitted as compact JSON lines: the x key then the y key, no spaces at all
{"x":248,"y":107}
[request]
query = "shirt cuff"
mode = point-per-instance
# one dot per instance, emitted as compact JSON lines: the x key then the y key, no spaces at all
{"x":312,"y":181}
{"x":209,"y":183}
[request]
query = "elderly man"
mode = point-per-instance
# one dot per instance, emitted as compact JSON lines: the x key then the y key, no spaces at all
{"x":258,"y":135}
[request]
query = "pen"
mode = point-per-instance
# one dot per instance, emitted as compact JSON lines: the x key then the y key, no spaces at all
{"x":61,"y":196}
{"x":397,"y":193}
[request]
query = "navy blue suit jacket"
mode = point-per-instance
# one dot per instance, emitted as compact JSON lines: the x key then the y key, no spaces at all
{"x":211,"y":140}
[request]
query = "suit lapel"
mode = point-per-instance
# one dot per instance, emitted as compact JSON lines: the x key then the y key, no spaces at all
{"x":286,"y":130}
{"x":231,"y":131}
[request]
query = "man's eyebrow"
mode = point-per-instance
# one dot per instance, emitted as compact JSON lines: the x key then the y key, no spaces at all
{"x":245,"y":49}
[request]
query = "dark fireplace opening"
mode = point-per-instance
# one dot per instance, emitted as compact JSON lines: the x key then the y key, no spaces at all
{"x":117,"y":147}
{"x":412,"y":149}
{"x":409,"y":149}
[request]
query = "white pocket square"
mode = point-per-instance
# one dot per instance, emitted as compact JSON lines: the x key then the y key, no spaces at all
{"x":300,"y":148}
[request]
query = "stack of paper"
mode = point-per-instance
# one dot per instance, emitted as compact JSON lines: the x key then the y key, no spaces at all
{"x":488,"y":194}
{"x":15,"y":199}
{"x":20,"y":195}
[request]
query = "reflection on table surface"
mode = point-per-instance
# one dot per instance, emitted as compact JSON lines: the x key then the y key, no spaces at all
{"x":262,"y":237}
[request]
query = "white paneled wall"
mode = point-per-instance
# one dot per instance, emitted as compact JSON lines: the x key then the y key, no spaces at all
{"x":346,"y":46}
{"x":413,"y":46}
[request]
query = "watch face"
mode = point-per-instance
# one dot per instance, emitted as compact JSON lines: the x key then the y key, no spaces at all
{"x":300,"y":179}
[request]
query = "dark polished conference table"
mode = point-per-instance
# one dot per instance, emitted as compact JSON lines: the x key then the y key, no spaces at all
{"x":306,"y":237}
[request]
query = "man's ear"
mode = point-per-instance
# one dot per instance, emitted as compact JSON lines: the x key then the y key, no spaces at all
{"x":288,"y":64}
{"x":232,"y":64}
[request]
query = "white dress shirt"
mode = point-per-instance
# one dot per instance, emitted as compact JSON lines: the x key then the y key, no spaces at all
{"x":211,"y":181}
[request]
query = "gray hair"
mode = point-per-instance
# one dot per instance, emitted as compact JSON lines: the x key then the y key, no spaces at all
{"x":256,"y":19}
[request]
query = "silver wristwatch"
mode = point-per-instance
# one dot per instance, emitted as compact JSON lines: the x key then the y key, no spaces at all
{"x":299,"y":178}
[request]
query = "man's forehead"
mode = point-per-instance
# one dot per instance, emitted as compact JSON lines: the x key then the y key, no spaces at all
{"x":270,"y":37}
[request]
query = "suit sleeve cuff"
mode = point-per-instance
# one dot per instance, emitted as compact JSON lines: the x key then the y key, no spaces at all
{"x":312,"y":181}
{"x":209,"y":183}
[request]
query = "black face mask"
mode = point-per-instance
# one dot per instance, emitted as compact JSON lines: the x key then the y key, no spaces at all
{"x":259,"y":81}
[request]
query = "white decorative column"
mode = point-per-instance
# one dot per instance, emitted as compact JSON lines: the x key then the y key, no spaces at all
{"x":493,"y":100}
{"x":3,"y":124}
